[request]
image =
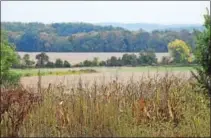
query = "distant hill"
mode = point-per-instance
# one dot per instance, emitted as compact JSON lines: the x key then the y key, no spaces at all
{"x":151,"y":27}
{"x":85,"y":37}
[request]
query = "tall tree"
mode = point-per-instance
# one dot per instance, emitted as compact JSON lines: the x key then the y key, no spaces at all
{"x":179,"y":50}
{"x":59,"y":63}
{"x":8,"y":58}
{"x":27,"y":61}
{"x":42,"y":59}
{"x":203,"y":56}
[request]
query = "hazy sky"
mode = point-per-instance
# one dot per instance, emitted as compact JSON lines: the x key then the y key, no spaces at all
{"x":161,"y":12}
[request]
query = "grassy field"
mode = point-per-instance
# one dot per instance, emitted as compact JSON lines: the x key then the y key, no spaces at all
{"x":55,"y":71}
{"x":52,"y":71}
{"x":113,"y":102}
{"x":165,"y":106}
{"x":68,"y":77}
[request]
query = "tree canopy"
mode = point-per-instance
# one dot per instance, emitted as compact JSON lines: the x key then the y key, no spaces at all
{"x":82,"y":37}
{"x":203,"y":56}
{"x":8,"y":58}
{"x":179,"y":50}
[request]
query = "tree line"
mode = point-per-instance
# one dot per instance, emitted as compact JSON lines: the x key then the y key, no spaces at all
{"x":82,"y":37}
{"x":179,"y":50}
{"x":145,"y":58}
{"x":42,"y":62}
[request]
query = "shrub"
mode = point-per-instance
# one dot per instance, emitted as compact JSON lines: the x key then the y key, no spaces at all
{"x":50,"y":64}
{"x":11,"y":79}
{"x":102,"y":63}
{"x":166,"y":60}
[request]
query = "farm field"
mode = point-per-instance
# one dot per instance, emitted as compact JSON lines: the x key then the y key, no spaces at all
{"x":108,"y":69}
{"x":115,"y":112}
{"x":103,"y":74}
{"x":75,"y":58}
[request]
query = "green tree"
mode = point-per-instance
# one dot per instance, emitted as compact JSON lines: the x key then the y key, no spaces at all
{"x":113,"y":61}
{"x":102,"y":63}
{"x":42,"y":59}
{"x":50,"y":64}
{"x":95,"y":61}
{"x":180,"y":51}
{"x":203,"y":56}
{"x":59,"y":63}
{"x":87,"y":63}
{"x":27,"y":61}
{"x":18,"y":63}
{"x":67,"y":64}
{"x":8,"y":58}
{"x":147,"y":57}
{"x":129,"y":59}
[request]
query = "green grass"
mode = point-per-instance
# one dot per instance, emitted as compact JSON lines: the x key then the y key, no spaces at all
{"x":46,"y":71}
{"x":69,"y":71}
{"x":143,"y":69}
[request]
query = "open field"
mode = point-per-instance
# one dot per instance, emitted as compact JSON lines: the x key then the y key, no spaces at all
{"x":159,"y":105}
{"x":75,"y":58}
{"x":103,"y":74}
{"x":107,"y":69}
{"x":113,"y":102}
{"x":46,"y":72}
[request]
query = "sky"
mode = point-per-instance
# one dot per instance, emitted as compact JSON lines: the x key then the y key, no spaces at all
{"x":159,"y":12}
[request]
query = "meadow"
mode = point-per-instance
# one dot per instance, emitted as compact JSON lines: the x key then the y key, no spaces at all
{"x":146,"y":101}
{"x":45,"y":71}
{"x":68,"y":76}
{"x":155,"y":104}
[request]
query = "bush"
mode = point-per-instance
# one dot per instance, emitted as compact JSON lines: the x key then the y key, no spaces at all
{"x":166,"y":60}
{"x":11,"y":79}
{"x":102,"y":63}
{"x":50,"y":64}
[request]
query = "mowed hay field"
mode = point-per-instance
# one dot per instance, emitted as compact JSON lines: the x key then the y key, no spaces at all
{"x":103,"y":75}
{"x":75,"y":58}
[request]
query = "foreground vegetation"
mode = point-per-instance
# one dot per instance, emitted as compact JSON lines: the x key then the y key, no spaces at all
{"x":153,"y":106}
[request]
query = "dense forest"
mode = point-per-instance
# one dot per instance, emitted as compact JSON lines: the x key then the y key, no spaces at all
{"x":152,"y":26}
{"x":84,"y":37}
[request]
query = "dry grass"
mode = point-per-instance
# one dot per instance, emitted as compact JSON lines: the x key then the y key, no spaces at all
{"x":152,"y":105}
{"x":101,"y":77}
